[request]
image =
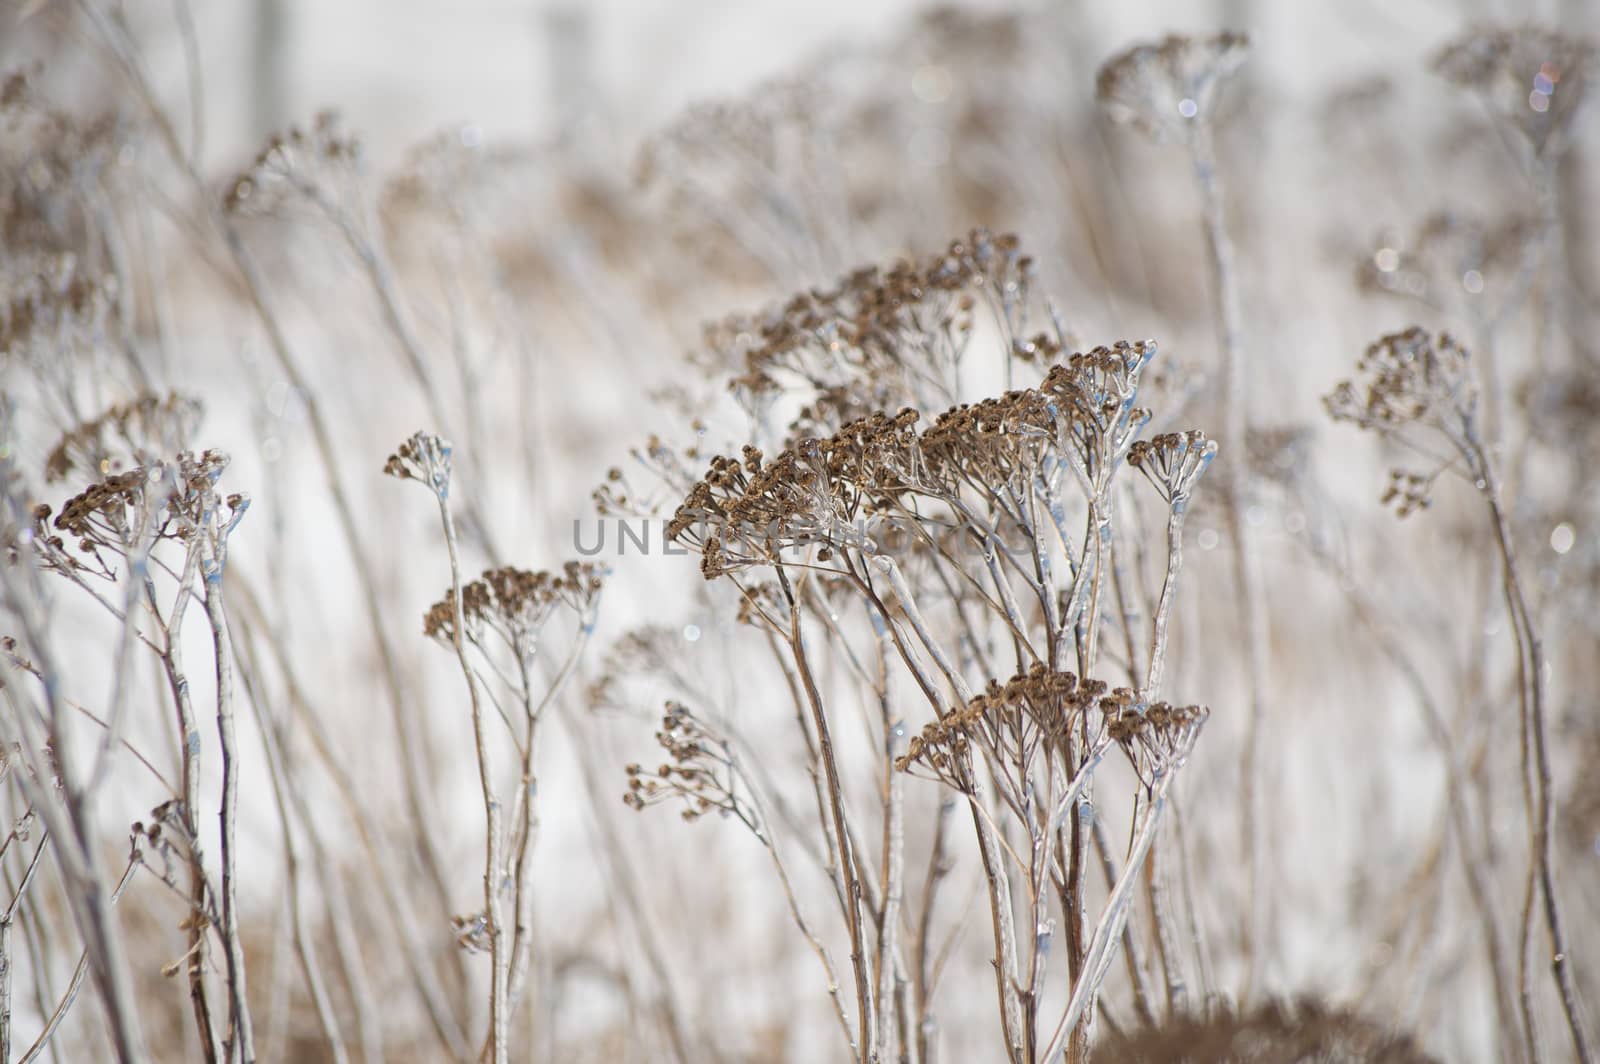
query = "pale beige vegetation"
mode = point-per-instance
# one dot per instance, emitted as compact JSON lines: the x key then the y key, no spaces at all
{"x":1065,"y":676}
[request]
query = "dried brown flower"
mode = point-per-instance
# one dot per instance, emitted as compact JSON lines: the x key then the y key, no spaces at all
{"x":702,"y":773}
{"x":514,"y":604}
{"x":1416,"y":386}
{"x":881,"y":338}
{"x":312,"y":163}
{"x":744,"y":512}
{"x":1533,"y":79}
{"x":1174,"y":462}
{"x":1168,"y":88}
{"x":51,"y":302}
{"x":424,"y":457}
{"x":178,"y":497}
{"x":146,"y":427}
{"x":1304,"y":1030}
{"x":1040,"y":709}
{"x":1410,"y":377}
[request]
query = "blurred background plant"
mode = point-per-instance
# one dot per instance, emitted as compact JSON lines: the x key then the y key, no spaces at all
{"x":292,"y":832}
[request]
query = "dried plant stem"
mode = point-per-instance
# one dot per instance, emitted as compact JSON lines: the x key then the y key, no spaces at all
{"x":1158,"y":637}
{"x":1128,"y":614}
{"x":1130,"y":945}
{"x":1475,"y":864}
{"x":70,"y":996}
{"x":865,"y":1016}
{"x":1109,"y":928}
{"x":499,"y":956}
{"x":1156,"y":887}
{"x":366,"y":246}
{"x":241,"y":1037}
{"x":892,"y":872}
{"x":138,"y":564}
{"x":7,"y":921}
{"x":806,"y":931}
{"x":1196,"y":934}
{"x":304,"y":945}
{"x":940,"y":864}
{"x":997,"y":884}
{"x":1530,"y":669}
{"x":668,"y":1010}
{"x":525,"y":815}
{"x":1246,"y":555}
{"x":189,"y":759}
{"x":416,"y":773}
{"x":428,"y":990}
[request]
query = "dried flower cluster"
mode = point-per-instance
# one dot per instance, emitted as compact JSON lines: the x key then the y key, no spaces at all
{"x":514,"y":604}
{"x":1042,"y":711}
{"x":144,"y":428}
{"x":1275,"y":1031}
{"x":312,"y":163}
{"x":1170,"y":88}
{"x":1415,"y":381}
{"x":1533,"y":79}
{"x":1173,"y":462}
{"x":881,"y":338}
{"x":423,"y":457}
{"x":1081,"y":418}
{"x":1411,"y":377}
{"x":953,"y":541}
{"x":53,"y":165}
{"x":173,"y":500}
{"x":50,"y":306}
{"x":702,"y":772}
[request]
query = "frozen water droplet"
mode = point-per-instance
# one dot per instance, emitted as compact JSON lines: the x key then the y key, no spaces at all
{"x":1562,"y":537}
{"x":1188,"y":108}
{"x":1208,"y":539}
{"x":691,"y":632}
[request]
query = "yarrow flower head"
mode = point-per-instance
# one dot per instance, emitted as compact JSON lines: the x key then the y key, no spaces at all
{"x":746,"y":510}
{"x":314,"y":164}
{"x":1173,"y":462}
{"x":144,"y":428}
{"x":1414,"y":381}
{"x":881,"y":338}
{"x":1168,"y":89}
{"x":702,"y":773}
{"x":514,"y":604}
{"x":1044,"y":707}
{"x":1409,"y":377}
{"x":424,"y":458}
{"x":122,"y":515}
{"x":1533,"y":79}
